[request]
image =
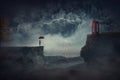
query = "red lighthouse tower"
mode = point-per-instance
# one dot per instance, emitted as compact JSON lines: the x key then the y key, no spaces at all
{"x":95,"y":27}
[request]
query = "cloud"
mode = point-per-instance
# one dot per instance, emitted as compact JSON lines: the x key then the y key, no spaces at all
{"x":64,"y":34}
{"x":65,"y":31}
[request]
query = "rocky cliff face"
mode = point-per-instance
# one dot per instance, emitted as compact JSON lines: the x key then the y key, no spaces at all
{"x":12,"y":58}
{"x":102,"y":47}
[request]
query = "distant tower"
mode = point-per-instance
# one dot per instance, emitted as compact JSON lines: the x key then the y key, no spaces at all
{"x":95,"y":27}
{"x":40,"y":39}
{"x":4,"y":30}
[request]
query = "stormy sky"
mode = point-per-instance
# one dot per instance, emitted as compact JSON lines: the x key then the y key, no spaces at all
{"x":64,"y":23}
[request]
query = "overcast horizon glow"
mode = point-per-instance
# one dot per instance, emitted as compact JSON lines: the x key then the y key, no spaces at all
{"x":66,"y":42}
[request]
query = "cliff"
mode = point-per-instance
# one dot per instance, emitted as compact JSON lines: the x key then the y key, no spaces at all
{"x":102,"y":47}
{"x":16,"y":57}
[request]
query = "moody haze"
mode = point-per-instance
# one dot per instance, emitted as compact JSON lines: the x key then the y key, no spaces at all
{"x":65,"y":24}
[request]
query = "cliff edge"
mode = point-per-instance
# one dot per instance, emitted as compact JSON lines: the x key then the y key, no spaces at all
{"x":19,"y":57}
{"x":102,"y":47}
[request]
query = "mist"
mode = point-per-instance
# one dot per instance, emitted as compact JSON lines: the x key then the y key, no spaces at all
{"x":65,"y":28}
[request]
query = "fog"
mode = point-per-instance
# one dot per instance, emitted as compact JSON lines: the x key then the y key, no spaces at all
{"x":65,"y":28}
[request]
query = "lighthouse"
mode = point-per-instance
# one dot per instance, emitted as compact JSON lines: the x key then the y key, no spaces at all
{"x":95,"y":27}
{"x":41,"y":40}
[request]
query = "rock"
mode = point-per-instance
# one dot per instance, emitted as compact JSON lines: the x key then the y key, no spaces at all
{"x":101,"y":48}
{"x":14,"y":57}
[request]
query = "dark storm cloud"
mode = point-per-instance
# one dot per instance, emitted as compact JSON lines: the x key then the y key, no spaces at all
{"x":91,"y":7}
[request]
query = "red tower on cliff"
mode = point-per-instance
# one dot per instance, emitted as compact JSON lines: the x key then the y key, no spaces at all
{"x":95,"y":27}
